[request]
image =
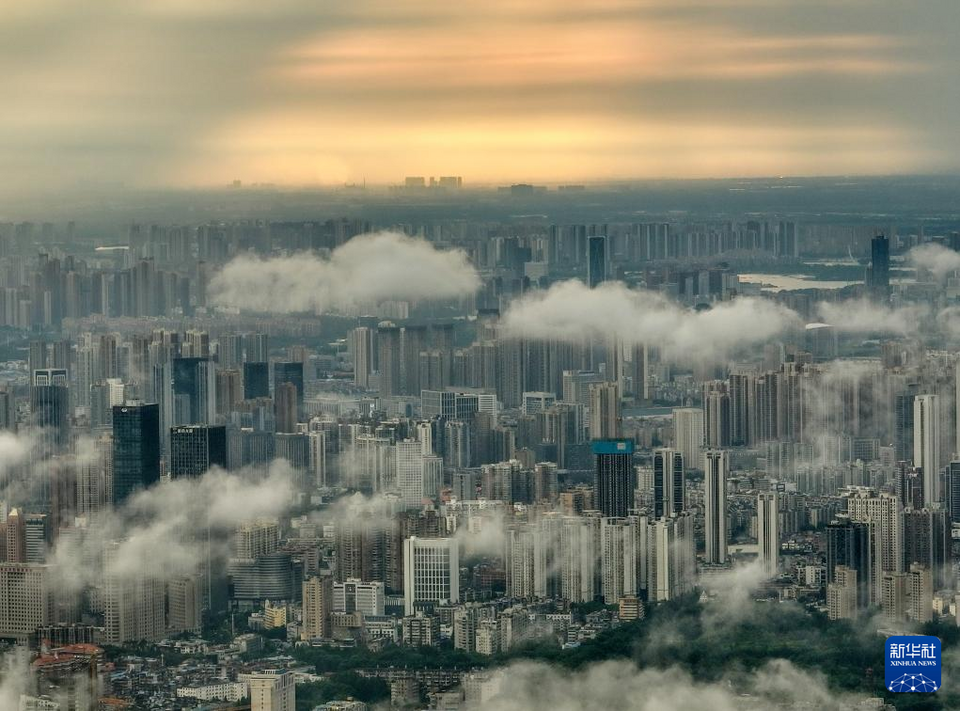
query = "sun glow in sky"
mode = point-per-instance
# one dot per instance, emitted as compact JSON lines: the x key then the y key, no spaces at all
{"x":199,"y":92}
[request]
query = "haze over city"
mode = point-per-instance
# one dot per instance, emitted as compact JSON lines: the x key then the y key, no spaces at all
{"x":515,"y":355}
{"x":202,"y":92}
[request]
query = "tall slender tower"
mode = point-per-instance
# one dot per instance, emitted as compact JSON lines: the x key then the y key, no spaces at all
{"x":926,"y":445}
{"x":768,"y":532}
{"x":716,"y":468}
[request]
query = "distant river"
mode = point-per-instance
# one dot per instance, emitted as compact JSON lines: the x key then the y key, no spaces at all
{"x":791,"y":282}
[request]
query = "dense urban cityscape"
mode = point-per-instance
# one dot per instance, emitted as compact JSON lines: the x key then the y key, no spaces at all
{"x":515,"y":355}
{"x":338,"y":464}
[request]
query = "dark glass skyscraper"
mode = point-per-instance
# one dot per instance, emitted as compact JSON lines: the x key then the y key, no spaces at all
{"x":50,"y":409}
{"x":616,"y":477}
{"x":194,"y":391}
{"x":291,"y":372}
{"x":596,"y":260}
{"x":136,"y":449}
{"x":196,"y":448}
{"x":848,"y":544}
{"x":879,"y":281}
{"x":669,"y":482}
{"x":256,"y":380}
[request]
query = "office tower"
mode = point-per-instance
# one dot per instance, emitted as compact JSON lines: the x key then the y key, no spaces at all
{"x":579,"y":555}
{"x":926,"y":445}
{"x":717,"y":425}
{"x":136,"y":449}
{"x":520,"y":561}
{"x":878,"y":280}
{"x":596,"y":260}
{"x":768,"y":532}
{"x":184,"y":605}
{"x":256,"y":348}
{"x":230,"y":351}
{"x":285,"y":407}
{"x":272,"y":691}
{"x":534,"y":402}
{"x":413,"y":341}
{"x":457,"y":444}
{"x":15,"y":543}
{"x":604,"y":411}
{"x":842,"y":594}
{"x":903,"y":423}
{"x":37,"y":536}
{"x":294,"y":447}
{"x":616,"y":477}
{"x":431,"y":573}
{"x":256,"y":538}
{"x":849,"y":545}
{"x":389,"y":358}
{"x":716,"y":470}
{"x":576,"y":384}
{"x":196,"y":448}
{"x":882,"y":512}
{"x":317,"y":451}
{"x":409,"y":468}
{"x":362,"y":350}
{"x":921,"y":582}
{"x":289,"y":372}
{"x":27,"y":600}
{"x":317,"y":607}
{"x":671,"y":567}
{"x":229,"y":392}
{"x":8,"y":411}
{"x":194,"y":391}
{"x":669,"y":483}
{"x":354,"y":595}
{"x":256,"y":380}
{"x":50,"y":410}
{"x":927,"y":542}
{"x":952,"y":492}
{"x":688,"y":433}
{"x":619,"y":558}
{"x":135,"y":602}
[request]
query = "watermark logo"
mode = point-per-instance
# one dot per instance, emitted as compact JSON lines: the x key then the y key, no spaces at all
{"x":912,"y":664}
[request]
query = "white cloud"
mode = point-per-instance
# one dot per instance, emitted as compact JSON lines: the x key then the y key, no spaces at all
{"x":154,"y":529}
{"x":863,"y":316}
{"x":934,"y":258}
{"x":366,"y":270}
{"x":571,"y":311}
{"x":621,"y":686}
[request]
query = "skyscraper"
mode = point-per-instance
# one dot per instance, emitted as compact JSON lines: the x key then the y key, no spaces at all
{"x":669,"y":483}
{"x":196,"y":448}
{"x":289,"y":372}
{"x":716,"y":468}
{"x":362,"y":350}
{"x":194,"y":391}
{"x":50,"y":410}
{"x":317,"y":606}
{"x":604,"y":411}
{"x":849,"y":546}
{"x":596,"y":260}
{"x":768,"y":532}
{"x":879,"y":275}
{"x":431,"y":572}
{"x":688,"y":434}
{"x":389,"y":358}
{"x":256,"y":380}
{"x":616,"y":477}
{"x":136,"y":449}
{"x":926,"y":445}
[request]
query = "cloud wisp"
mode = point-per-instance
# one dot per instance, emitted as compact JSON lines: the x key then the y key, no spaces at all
{"x":365,"y":271}
{"x":571,"y":311}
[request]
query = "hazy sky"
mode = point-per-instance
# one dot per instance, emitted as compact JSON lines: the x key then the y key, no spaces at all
{"x":199,"y":92}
